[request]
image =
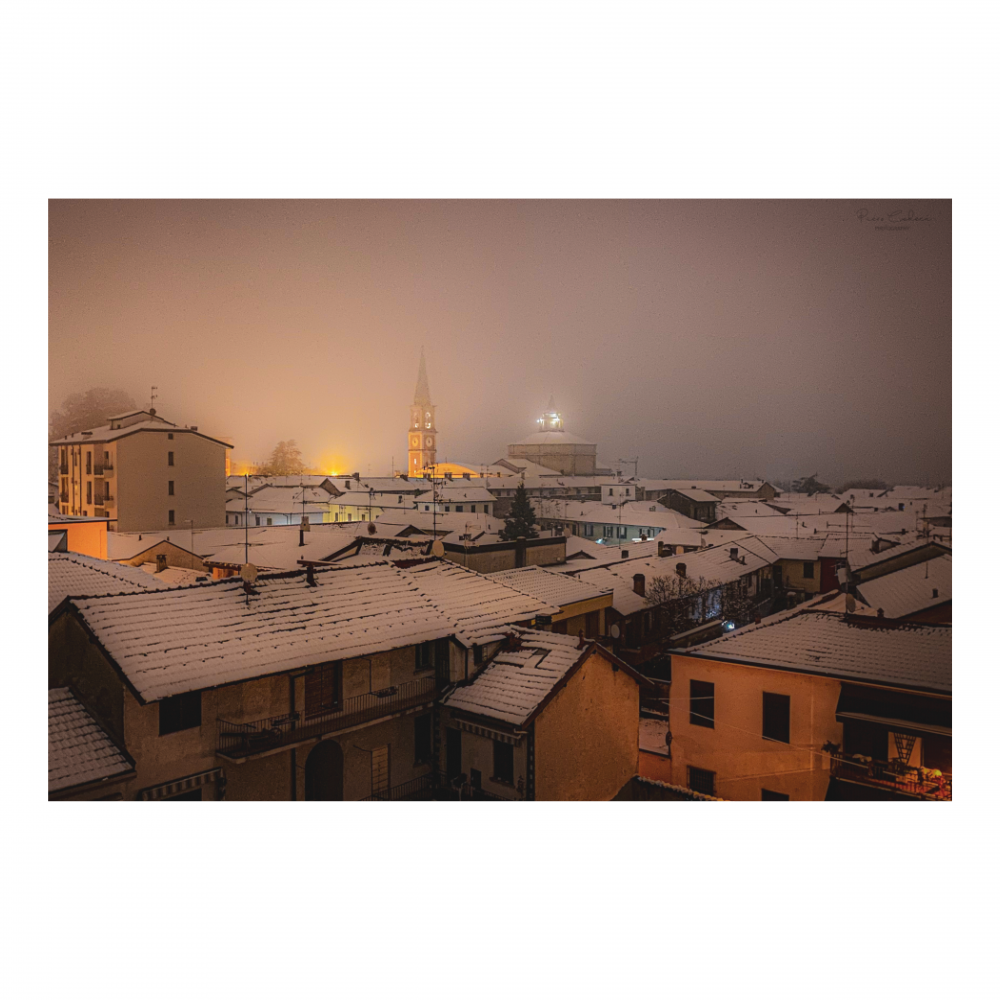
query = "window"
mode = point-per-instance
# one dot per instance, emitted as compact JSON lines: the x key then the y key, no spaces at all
{"x":170,"y":487}
{"x":703,"y":704}
{"x":183,"y":711}
{"x":766,"y":795}
{"x":701,"y":781}
{"x":425,"y":656}
{"x":170,"y":458}
{"x":270,"y":521}
{"x":503,"y":762}
{"x":170,"y":437}
{"x":89,"y":490}
{"x":170,"y":517}
{"x":807,"y":570}
{"x":422,"y":733}
{"x":776,"y":715}
{"x":88,"y":463}
{"x":323,"y":688}
{"x":256,"y":520}
{"x":459,"y":508}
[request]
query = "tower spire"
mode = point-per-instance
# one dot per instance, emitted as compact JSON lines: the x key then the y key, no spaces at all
{"x":422,"y":395}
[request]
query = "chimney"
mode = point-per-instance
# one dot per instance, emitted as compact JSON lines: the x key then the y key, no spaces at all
{"x":467,"y":475}
{"x":934,"y":592}
{"x":756,"y":619}
{"x":734,"y":554}
{"x":880,"y":613}
{"x":581,"y":642}
{"x":161,"y":562}
{"x":404,"y":477}
{"x":356,"y":477}
{"x":639,"y":584}
{"x":624,"y":553}
{"x":310,"y":576}
{"x":447,"y":475}
{"x":681,"y":569}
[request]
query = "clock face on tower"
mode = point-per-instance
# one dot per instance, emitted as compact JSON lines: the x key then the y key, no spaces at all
{"x":415,"y":441}
{"x":429,"y":441}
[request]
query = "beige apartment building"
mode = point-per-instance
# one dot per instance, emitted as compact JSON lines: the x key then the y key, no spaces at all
{"x":143,"y":473}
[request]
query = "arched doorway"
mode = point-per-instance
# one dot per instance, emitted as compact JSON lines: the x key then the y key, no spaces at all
{"x":325,"y":772}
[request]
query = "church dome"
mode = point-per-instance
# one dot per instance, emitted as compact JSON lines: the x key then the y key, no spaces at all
{"x":554,"y":437}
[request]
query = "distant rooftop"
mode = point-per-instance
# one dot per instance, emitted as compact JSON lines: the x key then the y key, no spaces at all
{"x":856,"y":648}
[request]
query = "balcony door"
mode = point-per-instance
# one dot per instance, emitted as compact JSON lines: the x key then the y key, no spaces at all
{"x":325,"y":772}
{"x":453,"y":752}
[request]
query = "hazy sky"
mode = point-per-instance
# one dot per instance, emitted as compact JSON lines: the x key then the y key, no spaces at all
{"x":711,"y":339}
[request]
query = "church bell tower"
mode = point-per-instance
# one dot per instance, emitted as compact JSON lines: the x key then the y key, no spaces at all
{"x":422,"y":435}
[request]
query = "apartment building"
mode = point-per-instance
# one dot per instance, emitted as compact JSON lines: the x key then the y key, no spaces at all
{"x":143,"y":473}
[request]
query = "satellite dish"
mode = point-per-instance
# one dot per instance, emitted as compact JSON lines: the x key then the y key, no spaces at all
{"x":616,"y":632}
{"x":249,"y":573}
{"x":437,"y":548}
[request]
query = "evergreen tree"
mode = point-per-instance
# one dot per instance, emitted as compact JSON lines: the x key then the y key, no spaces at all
{"x":521,"y":522}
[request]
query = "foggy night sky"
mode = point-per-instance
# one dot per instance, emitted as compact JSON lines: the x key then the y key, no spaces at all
{"x":710,"y":338}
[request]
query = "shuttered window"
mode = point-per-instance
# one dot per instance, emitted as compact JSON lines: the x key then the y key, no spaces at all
{"x":422,"y":733}
{"x":703,"y":704}
{"x":324,"y":688}
{"x":380,"y":770}
{"x":183,"y":711}
{"x":777,"y":709}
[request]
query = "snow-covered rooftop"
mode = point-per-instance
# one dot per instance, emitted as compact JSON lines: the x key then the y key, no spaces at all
{"x":861,"y":649}
{"x":75,"y":575}
{"x":80,"y":751}
{"x":909,"y":590}
{"x":555,"y":588}
{"x":515,"y":683}
{"x":168,"y":642}
{"x":482,"y":607}
{"x":713,"y":564}
{"x":456,"y":494}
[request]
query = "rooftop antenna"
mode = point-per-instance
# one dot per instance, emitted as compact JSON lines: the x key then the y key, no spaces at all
{"x":634,"y":462}
{"x":153,"y":397}
{"x":246,"y":519}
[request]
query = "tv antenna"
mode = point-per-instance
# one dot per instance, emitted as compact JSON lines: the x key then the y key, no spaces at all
{"x":634,"y":462}
{"x":153,"y":397}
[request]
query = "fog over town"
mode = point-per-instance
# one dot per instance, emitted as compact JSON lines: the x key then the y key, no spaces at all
{"x":713,"y":339}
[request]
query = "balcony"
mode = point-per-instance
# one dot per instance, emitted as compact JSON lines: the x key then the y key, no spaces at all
{"x":238,"y":740}
{"x":98,"y":469}
{"x":419,"y":788}
{"x":109,"y":469}
{"x":891,"y":776}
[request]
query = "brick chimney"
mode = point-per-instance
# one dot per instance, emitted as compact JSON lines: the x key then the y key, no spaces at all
{"x":681,"y":569}
{"x":639,"y":584}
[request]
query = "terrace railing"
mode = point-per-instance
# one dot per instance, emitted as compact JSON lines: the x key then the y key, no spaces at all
{"x":407,"y":790}
{"x":246,"y":739}
{"x":891,"y":775}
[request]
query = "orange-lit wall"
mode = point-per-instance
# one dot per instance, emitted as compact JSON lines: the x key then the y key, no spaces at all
{"x":89,"y":538}
{"x":743,"y":761}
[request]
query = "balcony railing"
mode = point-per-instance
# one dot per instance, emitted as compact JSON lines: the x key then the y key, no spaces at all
{"x":109,"y":469}
{"x":244,"y":739}
{"x":892,"y":776}
{"x":421,"y":786}
{"x":98,"y":469}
